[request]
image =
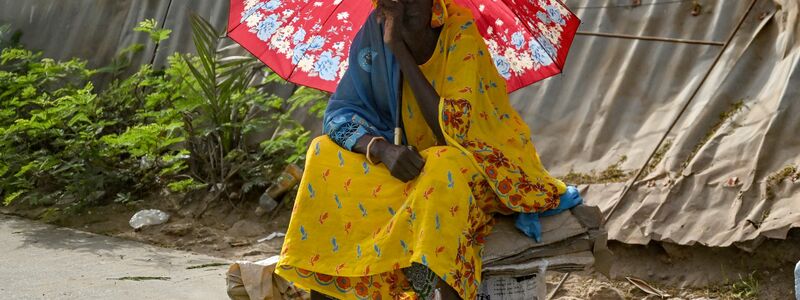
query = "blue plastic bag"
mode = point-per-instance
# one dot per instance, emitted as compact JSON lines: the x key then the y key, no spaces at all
{"x":529,"y":222}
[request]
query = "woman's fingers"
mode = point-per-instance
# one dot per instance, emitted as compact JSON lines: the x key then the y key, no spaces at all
{"x":414,"y":163}
{"x":418,"y":161}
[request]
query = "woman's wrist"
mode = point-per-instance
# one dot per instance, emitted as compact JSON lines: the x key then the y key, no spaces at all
{"x":377,"y":150}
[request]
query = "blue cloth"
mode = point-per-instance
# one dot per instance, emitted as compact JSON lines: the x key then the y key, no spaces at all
{"x":365,"y":101}
{"x":529,"y":222}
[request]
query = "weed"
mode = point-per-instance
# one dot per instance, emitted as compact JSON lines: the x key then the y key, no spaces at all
{"x":208,"y":265}
{"x":658,"y":156}
{"x":723,"y":118}
{"x":746,"y":287}
{"x":613,"y":173}
{"x":140,"y":278}
{"x":774,"y":179}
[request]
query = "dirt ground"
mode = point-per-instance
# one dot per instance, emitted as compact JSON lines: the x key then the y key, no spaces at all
{"x":683,"y":272}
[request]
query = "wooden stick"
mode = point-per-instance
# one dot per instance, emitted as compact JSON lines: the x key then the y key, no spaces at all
{"x":651,"y":38}
{"x":555,"y":290}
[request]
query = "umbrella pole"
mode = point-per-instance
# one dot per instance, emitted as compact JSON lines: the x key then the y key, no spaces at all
{"x":398,"y":131}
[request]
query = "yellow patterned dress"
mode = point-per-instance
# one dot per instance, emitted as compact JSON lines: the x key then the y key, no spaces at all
{"x":354,"y":226}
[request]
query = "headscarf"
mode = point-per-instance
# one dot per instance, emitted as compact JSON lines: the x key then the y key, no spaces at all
{"x":365,"y":102}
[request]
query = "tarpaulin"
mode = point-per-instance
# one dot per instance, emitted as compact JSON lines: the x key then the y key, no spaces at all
{"x":724,"y":172}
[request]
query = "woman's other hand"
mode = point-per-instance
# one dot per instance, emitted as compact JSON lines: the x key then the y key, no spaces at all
{"x":403,"y":162}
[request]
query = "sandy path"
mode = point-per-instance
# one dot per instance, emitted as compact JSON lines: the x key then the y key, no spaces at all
{"x":39,"y":261}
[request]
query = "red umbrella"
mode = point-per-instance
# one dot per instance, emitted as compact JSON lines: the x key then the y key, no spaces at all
{"x":307,"y":42}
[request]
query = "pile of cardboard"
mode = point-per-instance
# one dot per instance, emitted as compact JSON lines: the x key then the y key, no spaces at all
{"x":514,"y":264}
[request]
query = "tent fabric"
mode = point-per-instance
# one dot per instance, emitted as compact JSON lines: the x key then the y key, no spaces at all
{"x":616,"y":97}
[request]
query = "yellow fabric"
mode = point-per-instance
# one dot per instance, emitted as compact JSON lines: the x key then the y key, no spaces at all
{"x":354,"y":226}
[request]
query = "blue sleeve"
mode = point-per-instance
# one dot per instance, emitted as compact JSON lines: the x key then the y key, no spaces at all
{"x":346,"y":131}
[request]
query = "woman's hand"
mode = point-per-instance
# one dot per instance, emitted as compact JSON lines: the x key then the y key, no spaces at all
{"x":403,"y":162}
{"x":391,"y":14}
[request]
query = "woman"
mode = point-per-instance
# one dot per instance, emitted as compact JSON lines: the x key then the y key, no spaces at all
{"x":377,"y":220}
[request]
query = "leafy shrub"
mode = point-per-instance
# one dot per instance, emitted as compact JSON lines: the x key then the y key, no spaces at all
{"x":184,"y":128}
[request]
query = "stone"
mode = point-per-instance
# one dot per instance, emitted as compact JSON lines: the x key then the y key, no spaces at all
{"x":605,"y":292}
{"x":246,"y":228}
{"x":253,"y":253}
{"x":180,"y":229}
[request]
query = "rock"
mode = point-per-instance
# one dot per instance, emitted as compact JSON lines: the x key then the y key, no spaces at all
{"x":246,"y":228}
{"x":606,"y":293}
{"x":568,"y":298}
{"x":253,"y":253}
{"x":177,"y":229}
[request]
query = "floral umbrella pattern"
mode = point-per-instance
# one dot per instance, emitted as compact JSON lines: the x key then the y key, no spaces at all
{"x":307,"y":42}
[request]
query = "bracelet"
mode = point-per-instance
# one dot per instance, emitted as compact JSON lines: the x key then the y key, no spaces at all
{"x":369,"y":147}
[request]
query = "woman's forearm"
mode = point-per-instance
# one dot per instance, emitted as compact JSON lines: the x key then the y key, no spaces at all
{"x":426,"y":95}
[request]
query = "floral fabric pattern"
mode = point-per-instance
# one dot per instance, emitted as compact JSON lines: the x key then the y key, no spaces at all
{"x":308,"y":41}
{"x":354,"y":227}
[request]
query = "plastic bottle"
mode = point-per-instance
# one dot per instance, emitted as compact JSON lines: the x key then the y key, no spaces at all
{"x":289,"y":178}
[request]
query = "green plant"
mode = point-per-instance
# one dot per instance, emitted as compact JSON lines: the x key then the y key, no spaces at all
{"x":156,"y":34}
{"x":224,"y":107}
{"x":187,"y":127}
{"x":48,"y":121}
{"x":64,"y":142}
{"x":123,"y":59}
{"x":746,"y":287}
{"x":8,"y":37}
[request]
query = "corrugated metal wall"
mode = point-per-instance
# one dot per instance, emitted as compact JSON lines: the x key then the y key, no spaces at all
{"x":617,"y":97}
{"x":98,"y":29}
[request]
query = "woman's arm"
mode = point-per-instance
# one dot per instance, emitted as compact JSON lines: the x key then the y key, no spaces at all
{"x":426,"y":95}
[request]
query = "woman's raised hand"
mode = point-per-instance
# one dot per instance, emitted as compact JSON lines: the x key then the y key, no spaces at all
{"x":390,"y":12}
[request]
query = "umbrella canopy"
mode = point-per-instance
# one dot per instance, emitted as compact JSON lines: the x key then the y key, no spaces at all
{"x":307,"y":42}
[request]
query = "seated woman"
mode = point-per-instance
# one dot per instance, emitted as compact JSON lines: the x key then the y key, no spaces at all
{"x":383,"y":221}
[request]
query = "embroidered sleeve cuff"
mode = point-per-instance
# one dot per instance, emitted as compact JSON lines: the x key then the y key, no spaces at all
{"x":354,"y":137}
{"x":347,"y":132}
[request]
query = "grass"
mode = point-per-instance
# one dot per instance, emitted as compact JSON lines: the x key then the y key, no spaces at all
{"x":746,"y":287}
{"x":140,"y":278}
{"x":208,"y":265}
{"x":774,"y":179}
{"x":614,"y":173}
{"x":657,"y":157}
{"x":723,"y":118}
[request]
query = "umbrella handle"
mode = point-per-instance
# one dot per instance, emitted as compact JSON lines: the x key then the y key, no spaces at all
{"x":398,"y":132}
{"x":398,"y":136}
